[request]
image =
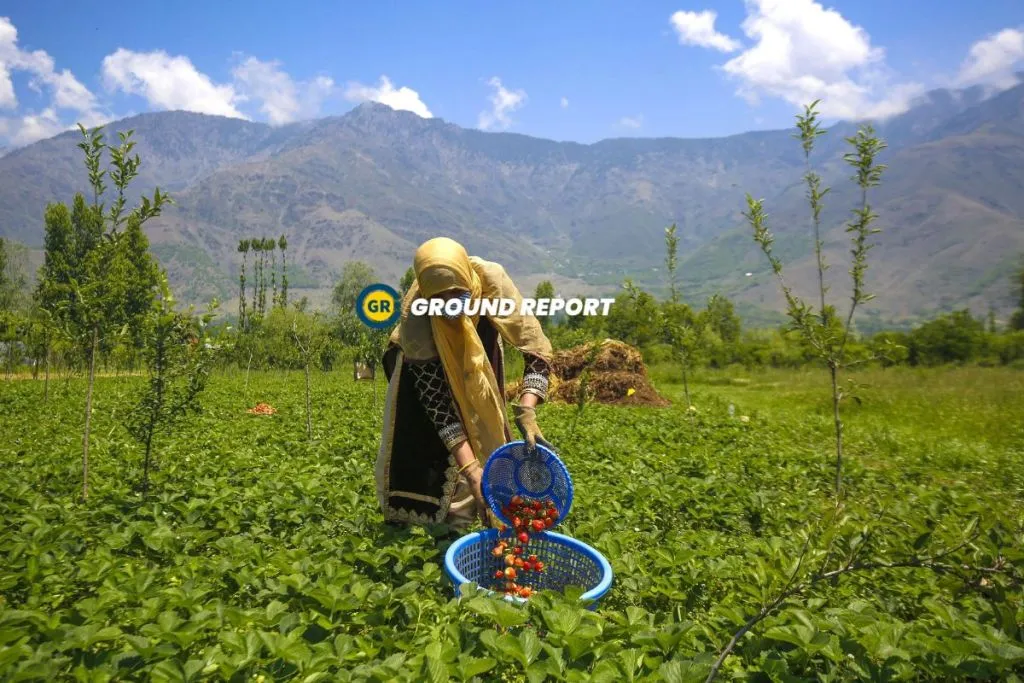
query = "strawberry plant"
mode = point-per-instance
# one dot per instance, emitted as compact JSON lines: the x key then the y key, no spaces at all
{"x":263,"y":553}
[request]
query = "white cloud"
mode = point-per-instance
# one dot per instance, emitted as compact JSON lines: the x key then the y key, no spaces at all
{"x":162,"y":80}
{"x":402,"y":99}
{"x":167,"y":82}
{"x":66,"y":92}
{"x":173,"y":82}
{"x":993,"y":60}
{"x":503,"y":103}
{"x":633,"y":122}
{"x":565,"y":103}
{"x":283,"y":100}
{"x":698,"y":28}
{"x":802,"y":52}
{"x":33,"y":127}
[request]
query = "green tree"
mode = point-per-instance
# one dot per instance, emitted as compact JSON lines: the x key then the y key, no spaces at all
{"x":681,"y":329}
{"x":545,"y":290}
{"x":243,"y":249}
{"x":956,"y":337}
{"x":370,"y":351}
{"x":890,"y":348}
{"x":3,"y":268}
{"x":310,"y":337}
{"x":672,"y":261}
{"x":13,"y":314}
{"x":407,"y":282}
{"x":13,"y":279}
{"x":42,"y":333}
{"x":355,"y":277}
{"x":1017,"y":319}
{"x":686,"y":337}
{"x":272,"y":247}
{"x":720,"y":316}
{"x":179,"y":356}
{"x":635,"y":317}
{"x":257,"y":273}
{"x":282,"y":244}
{"x":824,"y":331}
{"x":97,"y":279}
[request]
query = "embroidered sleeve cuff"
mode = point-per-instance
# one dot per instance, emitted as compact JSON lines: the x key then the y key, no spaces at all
{"x":452,"y":435}
{"x":535,"y":383}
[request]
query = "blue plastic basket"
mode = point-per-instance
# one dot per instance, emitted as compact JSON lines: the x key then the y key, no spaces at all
{"x":513,"y":470}
{"x":567,"y":562}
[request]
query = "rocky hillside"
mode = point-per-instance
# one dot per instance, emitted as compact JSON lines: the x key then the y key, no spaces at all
{"x":373,"y":183}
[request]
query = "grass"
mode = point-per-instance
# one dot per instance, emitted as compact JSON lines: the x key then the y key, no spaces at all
{"x":952,"y":421}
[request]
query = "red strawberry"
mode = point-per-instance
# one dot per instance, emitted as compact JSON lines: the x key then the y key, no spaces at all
{"x":499,"y":574}
{"x":523,"y":537}
{"x":517,"y":522}
{"x":536,"y":505}
{"x":538,"y":525}
{"x":518,"y":550}
{"x":532,"y":558}
{"x":549,"y":522}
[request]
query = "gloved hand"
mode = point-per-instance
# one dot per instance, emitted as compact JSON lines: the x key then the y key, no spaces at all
{"x":526,"y":421}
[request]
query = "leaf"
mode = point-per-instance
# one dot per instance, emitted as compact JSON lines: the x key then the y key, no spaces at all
{"x":168,"y":671}
{"x":563,"y":619}
{"x":605,"y":672}
{"x":470,"y":667}
{"x":437,"y":670}
{"x":530,"y":645}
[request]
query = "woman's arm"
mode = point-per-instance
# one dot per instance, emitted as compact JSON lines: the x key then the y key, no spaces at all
{"x":536,"y":378}
{"x":436,"y":398}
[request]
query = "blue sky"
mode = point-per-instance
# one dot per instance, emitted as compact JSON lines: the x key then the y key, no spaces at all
{"x":569,"y":71}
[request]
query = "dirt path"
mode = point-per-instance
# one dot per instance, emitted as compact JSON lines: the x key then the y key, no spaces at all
{"x":59,"y":378}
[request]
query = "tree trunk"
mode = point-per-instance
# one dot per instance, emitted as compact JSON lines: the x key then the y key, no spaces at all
{"x":309,"y":419}
{"x":88,"y":414}
{"x":145,"y":464}
{"x":46,"y":376}
{"x":686,"y":387}
{"x":839,"y":429}
{"x":249,"y":365}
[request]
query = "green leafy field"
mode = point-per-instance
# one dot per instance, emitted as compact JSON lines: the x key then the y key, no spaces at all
{"x":263,"y":556}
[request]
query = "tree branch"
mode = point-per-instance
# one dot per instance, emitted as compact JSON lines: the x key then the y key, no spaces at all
{"x":930,"y":562}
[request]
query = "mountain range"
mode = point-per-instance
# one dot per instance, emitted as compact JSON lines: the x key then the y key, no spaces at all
{"x":373,"y":183}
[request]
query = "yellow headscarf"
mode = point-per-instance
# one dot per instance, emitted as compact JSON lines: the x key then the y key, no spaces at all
{"x":442,"y":264}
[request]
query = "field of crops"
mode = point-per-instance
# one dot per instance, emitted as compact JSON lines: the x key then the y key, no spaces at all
{"x":261,"y":555}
